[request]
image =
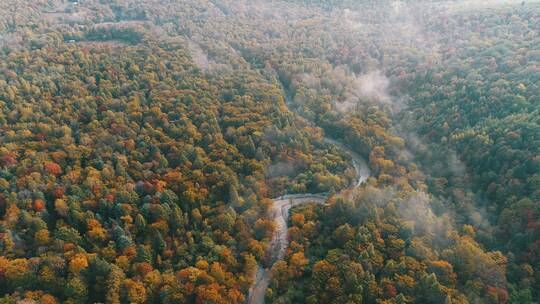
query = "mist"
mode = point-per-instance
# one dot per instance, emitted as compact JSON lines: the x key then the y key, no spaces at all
{"x":374,"y":86}
{"x":403,"y":29}
{"x":198,"y":56}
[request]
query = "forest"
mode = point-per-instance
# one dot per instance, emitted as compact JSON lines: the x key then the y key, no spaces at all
{"x":144,"y":146}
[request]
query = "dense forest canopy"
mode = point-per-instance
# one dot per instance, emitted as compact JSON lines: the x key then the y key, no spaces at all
{"x":142,"y":144}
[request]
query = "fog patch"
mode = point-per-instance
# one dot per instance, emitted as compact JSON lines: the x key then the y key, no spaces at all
{"x":349,"y":20}
{"x":198,"y":56}
{"x":446,"y":163}
{"x":373,"y":86}
{"x":416,"y":208}
{"x":456,"y":166}
{"x":397,"y":6}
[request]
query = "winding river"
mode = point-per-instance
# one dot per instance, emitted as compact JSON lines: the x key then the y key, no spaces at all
{"x":280,"y":214}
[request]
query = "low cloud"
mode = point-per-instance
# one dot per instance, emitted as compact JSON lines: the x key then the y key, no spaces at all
{"x":198,"y":55}
{"x":373,"y":86}
{"x":416,"y":208}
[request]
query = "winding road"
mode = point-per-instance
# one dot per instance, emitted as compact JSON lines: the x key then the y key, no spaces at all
{"x":280,"y":213}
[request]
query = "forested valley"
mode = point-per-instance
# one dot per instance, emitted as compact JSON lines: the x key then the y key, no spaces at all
{"x":145,"y":145}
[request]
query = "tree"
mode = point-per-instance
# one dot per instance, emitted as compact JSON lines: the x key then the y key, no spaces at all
{"x":76,"y":290}
{"x":52,"y":168}
{"x":134,"y":291}
{"x":298,"y":262}
{"x":77,"y":263}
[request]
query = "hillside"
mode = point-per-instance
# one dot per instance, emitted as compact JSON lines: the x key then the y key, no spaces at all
{"x":145,"y":147}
